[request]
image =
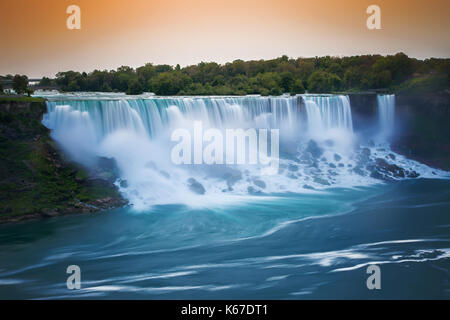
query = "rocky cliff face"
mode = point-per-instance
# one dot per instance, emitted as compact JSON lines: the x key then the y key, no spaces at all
{"x":36,"y":179}
{"x":424,"y":134}
{"x":364,"y":110}
{"x":422,"y":124}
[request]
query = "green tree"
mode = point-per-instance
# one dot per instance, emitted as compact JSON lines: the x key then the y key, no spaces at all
{"x":20,"y":84}
{"x":170,"y":83}
{"x":45,"y":82}
{"x":352,"y":78}
{"x":323,"y":82}
{"x":383,"y":79}
{"x":319,"y":74}
{"x":297,"y":87}
{"x":134,"y":87}
{"x":73,"y":86}
{"x":286,"y":81}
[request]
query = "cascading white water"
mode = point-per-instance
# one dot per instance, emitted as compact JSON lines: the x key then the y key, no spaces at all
{"x":153,"y":115}
{"x":329,"y":117}
{"x":136,"y":131}
{"x":386,"y":114}
{"x":327,"y":112}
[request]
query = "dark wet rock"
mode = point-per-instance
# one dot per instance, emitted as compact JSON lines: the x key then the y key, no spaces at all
{"x":107,"y":163}
{"x":392,"y":156}
{"x":293,"y":168}
{"x":232,"y":177}
{"x":332,"y":173}
{"x":365,"y":152}
{"x":306,"y":158}
{"x":105,"y":169}
{"x":315,"y":164}
{"x":260,"y":183}
{"x":196,"y":186}
{"x":377,"y":175}
{"x":332,"y":165}
{"x":363,"y":157}
{"x":123,"y":183}
{"x":165,"y":174}
{"x":412,"y":174}
{"x":106,"y":175}
{"x":252,"y":190}
{"x":321,"y":181}
{"x":48,"y":213}
{"x":359,"y":170}
{"x":340,"y":165}
{"x":314,"y":149}
{"x":337,"y":157}
{"x":386,"y":171}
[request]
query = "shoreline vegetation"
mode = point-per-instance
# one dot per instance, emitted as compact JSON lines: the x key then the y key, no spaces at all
{"x":393,"y":73}
{"x":36,"y":177}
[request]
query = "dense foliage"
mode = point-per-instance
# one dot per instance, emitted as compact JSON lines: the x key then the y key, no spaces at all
{"x":266,"y":77}
{"x":20,"y":83}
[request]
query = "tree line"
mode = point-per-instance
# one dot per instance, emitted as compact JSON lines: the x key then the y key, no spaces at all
{"x":266,"y":77}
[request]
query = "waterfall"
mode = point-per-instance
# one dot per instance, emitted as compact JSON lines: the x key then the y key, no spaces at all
{"x":136,"y":131}
{"x":150,"y":116}
{"x":325,"y":112}
{"x":386,"y":114}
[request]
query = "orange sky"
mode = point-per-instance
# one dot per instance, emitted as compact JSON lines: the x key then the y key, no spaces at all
{"x":35,"y":41}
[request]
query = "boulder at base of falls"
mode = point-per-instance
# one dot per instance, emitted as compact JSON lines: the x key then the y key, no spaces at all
{"x":321,"y":181}
{"x":232,"y":176}
{"x":387,"y":171}
{"x":123,"y":183}
{"x":196,"y":186}
{"x":314,"y":149}
{"x":260,"y":183}
{"x":252,"y":190}
{"x":364,"y":156}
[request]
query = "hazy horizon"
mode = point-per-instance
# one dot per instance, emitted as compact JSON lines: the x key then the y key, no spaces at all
{"x":115,"y":33}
